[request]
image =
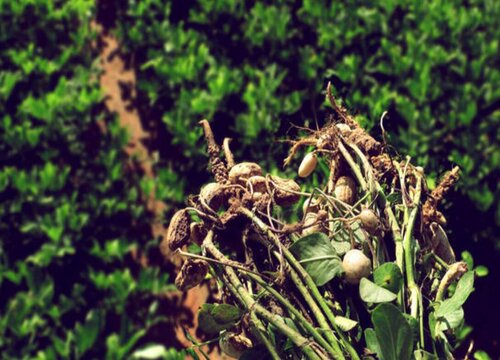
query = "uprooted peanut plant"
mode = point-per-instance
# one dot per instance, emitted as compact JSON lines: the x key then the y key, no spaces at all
{"x":367,"y":271}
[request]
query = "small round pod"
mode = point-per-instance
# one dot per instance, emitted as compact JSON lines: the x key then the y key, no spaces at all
{"x":178,"y":232}
{"x":308,"y":164}
{"x":313,"y":222}
{"x":257,"y":184}
{"x":198,"y":233}
{"x":285,"y":191}
{"x":310,"y":205}
{"x":212,"y":194}
{"x":239,"y":173}
{"x":192,"y":273}
{"x":370,"y":221}
{"x":356,"y":265}
{"x":345,"y":190}
{"x":233,"y":344}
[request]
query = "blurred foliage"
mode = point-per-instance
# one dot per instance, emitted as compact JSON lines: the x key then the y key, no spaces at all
{"x":252,"y":68}
{"x":255,"y":68}
{"x":71,"y":214}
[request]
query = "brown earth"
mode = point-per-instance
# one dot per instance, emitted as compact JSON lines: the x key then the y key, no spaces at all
{"x":118,"y":84}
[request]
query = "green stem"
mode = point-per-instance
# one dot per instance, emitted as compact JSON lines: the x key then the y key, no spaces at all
{"x":315,"y":309}
{"x":354,"y":167}
{"x":304,"y":276}
{"x":337,"y":354}
{"x":409,"y":247}
{"x":258,"y":326}
{"x":368,"y":169}
{"x":250,"y":304}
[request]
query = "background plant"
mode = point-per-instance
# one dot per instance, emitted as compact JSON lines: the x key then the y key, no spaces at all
{"x":71,"y":214}
{"x":254,"y":68}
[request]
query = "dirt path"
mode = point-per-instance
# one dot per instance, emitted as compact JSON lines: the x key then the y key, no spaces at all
{"x":118,"y":84}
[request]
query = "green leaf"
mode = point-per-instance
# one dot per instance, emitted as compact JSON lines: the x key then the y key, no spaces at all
{"x":150,"y":352}
{"x":481,"y":271}
{"x":481,"y":355}
{"x":464,"y":288}
{"x":318,"y":257}
{"x":373,"y":293}
{"x":388,"y":276}
{"x":424,"y":355}
{"x":452,"y":320}
{"x":341,"y":247}
{"x":393,"y":332}
{"x":86,"y":335}
{"x":216,"y":317}
{"x":372,"y":342}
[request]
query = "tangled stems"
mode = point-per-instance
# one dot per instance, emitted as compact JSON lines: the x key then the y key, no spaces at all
{"x":314,"y":291}
{"x":303,"y":321}
{"x":259,"y":327}
{"x":250,"y":304}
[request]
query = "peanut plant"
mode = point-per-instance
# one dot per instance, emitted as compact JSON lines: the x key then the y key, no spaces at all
{"x":366,"y":272}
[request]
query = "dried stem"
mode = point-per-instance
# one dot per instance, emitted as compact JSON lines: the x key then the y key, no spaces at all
{"x":228,"y":153}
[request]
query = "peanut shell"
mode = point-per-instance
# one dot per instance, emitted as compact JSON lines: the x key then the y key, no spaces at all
{"x":213,"y":195}
{"x":178,"y":231}
{"x":239,"y":173}
{"x":370,"y":221}
{"x":192,"y":273}
{"x":258,"y":184}
{"x":345,"y":190}
{"x":281,"y":188}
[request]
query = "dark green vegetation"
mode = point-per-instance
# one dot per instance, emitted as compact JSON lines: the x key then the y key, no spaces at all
{"x":255,"y":69}
{"x":70,"y":212}
{"x":68,"y":204}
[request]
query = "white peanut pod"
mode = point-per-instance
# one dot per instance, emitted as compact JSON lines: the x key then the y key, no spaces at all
{"x":370,"y":221}
{"x":308,"y":164}
{"x":356,"y":265}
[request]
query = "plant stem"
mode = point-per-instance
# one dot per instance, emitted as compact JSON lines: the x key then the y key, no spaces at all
{"x":368,"y":170}
{"x":303,"y":321}
{"x":259,"y":327}
{"x":304,"y":276}
{"x":409,"y":247}
{"x":250,"y":304}
{"x":354,"y":167}
{"x":315,"y":309}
